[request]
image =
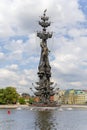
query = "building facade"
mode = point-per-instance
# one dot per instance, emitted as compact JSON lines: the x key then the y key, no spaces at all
{"x":72,"y":96}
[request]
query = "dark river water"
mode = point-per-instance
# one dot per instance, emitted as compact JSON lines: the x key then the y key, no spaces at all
{"x":25,"y":119}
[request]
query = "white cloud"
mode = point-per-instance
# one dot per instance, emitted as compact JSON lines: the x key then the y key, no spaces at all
{"x":7,"y":74}
{"x":68,"y":47}
{"x":23,"y":82}
{"x":12,"y":67}
{"x":1,"y":55}
{"x":76,"y":32}
{"x":76,"y":84}
{"x":17,"y":16}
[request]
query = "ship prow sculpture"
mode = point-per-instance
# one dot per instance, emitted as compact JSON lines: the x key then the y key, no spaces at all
{"x":44,"y":88}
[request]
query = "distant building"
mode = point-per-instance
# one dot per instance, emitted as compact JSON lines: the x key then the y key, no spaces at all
{"x":25,"y":95}
{"x":58,"y":97}
{"x":69,"y":96}
{"x":85,"y":96}
{"x":36,"y":99}
{"x":72,"y":96}
{"x":79,"y":97}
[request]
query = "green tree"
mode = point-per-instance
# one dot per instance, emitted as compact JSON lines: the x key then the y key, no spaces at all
{"x":31,"y":100}
{"x":22,"y":100}
{"x":10,"y":95}
{"x":2,"y":96}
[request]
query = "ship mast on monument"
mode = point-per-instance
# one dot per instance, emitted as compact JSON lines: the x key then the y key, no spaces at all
{"x":44,"y":85}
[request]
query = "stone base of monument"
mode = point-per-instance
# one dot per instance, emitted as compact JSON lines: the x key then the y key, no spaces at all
{"x":44,"y":107}
{"x":50,"y":104}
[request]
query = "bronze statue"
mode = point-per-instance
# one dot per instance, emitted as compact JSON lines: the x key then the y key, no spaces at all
{"x":44,"y":88}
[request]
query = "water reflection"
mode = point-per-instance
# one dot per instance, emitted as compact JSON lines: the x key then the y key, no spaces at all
{"x":44,"y":121}
{"x":26,"y":119}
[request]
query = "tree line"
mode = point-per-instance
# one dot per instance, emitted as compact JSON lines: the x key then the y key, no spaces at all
{"x":8,"y":95}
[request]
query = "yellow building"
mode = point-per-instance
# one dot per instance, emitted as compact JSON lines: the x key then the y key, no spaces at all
{"x":72,"y":96}
{"x":79,"y":97}
{"x":69,"y":97}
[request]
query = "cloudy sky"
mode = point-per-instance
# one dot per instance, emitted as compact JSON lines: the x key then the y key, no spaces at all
{"x":20,"y":48}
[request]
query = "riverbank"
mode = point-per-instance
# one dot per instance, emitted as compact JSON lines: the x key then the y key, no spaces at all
{"x":12,"y":106}
{"x":27,"y":106}
{"x":74,"y":106}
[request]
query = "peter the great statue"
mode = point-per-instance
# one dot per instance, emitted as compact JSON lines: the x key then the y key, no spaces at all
{"x":44,"y":85}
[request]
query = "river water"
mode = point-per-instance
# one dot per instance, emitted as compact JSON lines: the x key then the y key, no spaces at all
{"x":25,"y":119}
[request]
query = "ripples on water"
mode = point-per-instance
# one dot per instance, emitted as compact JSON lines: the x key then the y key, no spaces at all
{"x":26,"y":119}
{"x":45,"y":120}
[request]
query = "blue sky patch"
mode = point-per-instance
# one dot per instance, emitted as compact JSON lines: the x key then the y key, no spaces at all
{"x":24,"y":38}
{"x":83,"y":6}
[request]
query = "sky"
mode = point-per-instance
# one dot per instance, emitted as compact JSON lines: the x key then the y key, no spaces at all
{"x":20,"y":47}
